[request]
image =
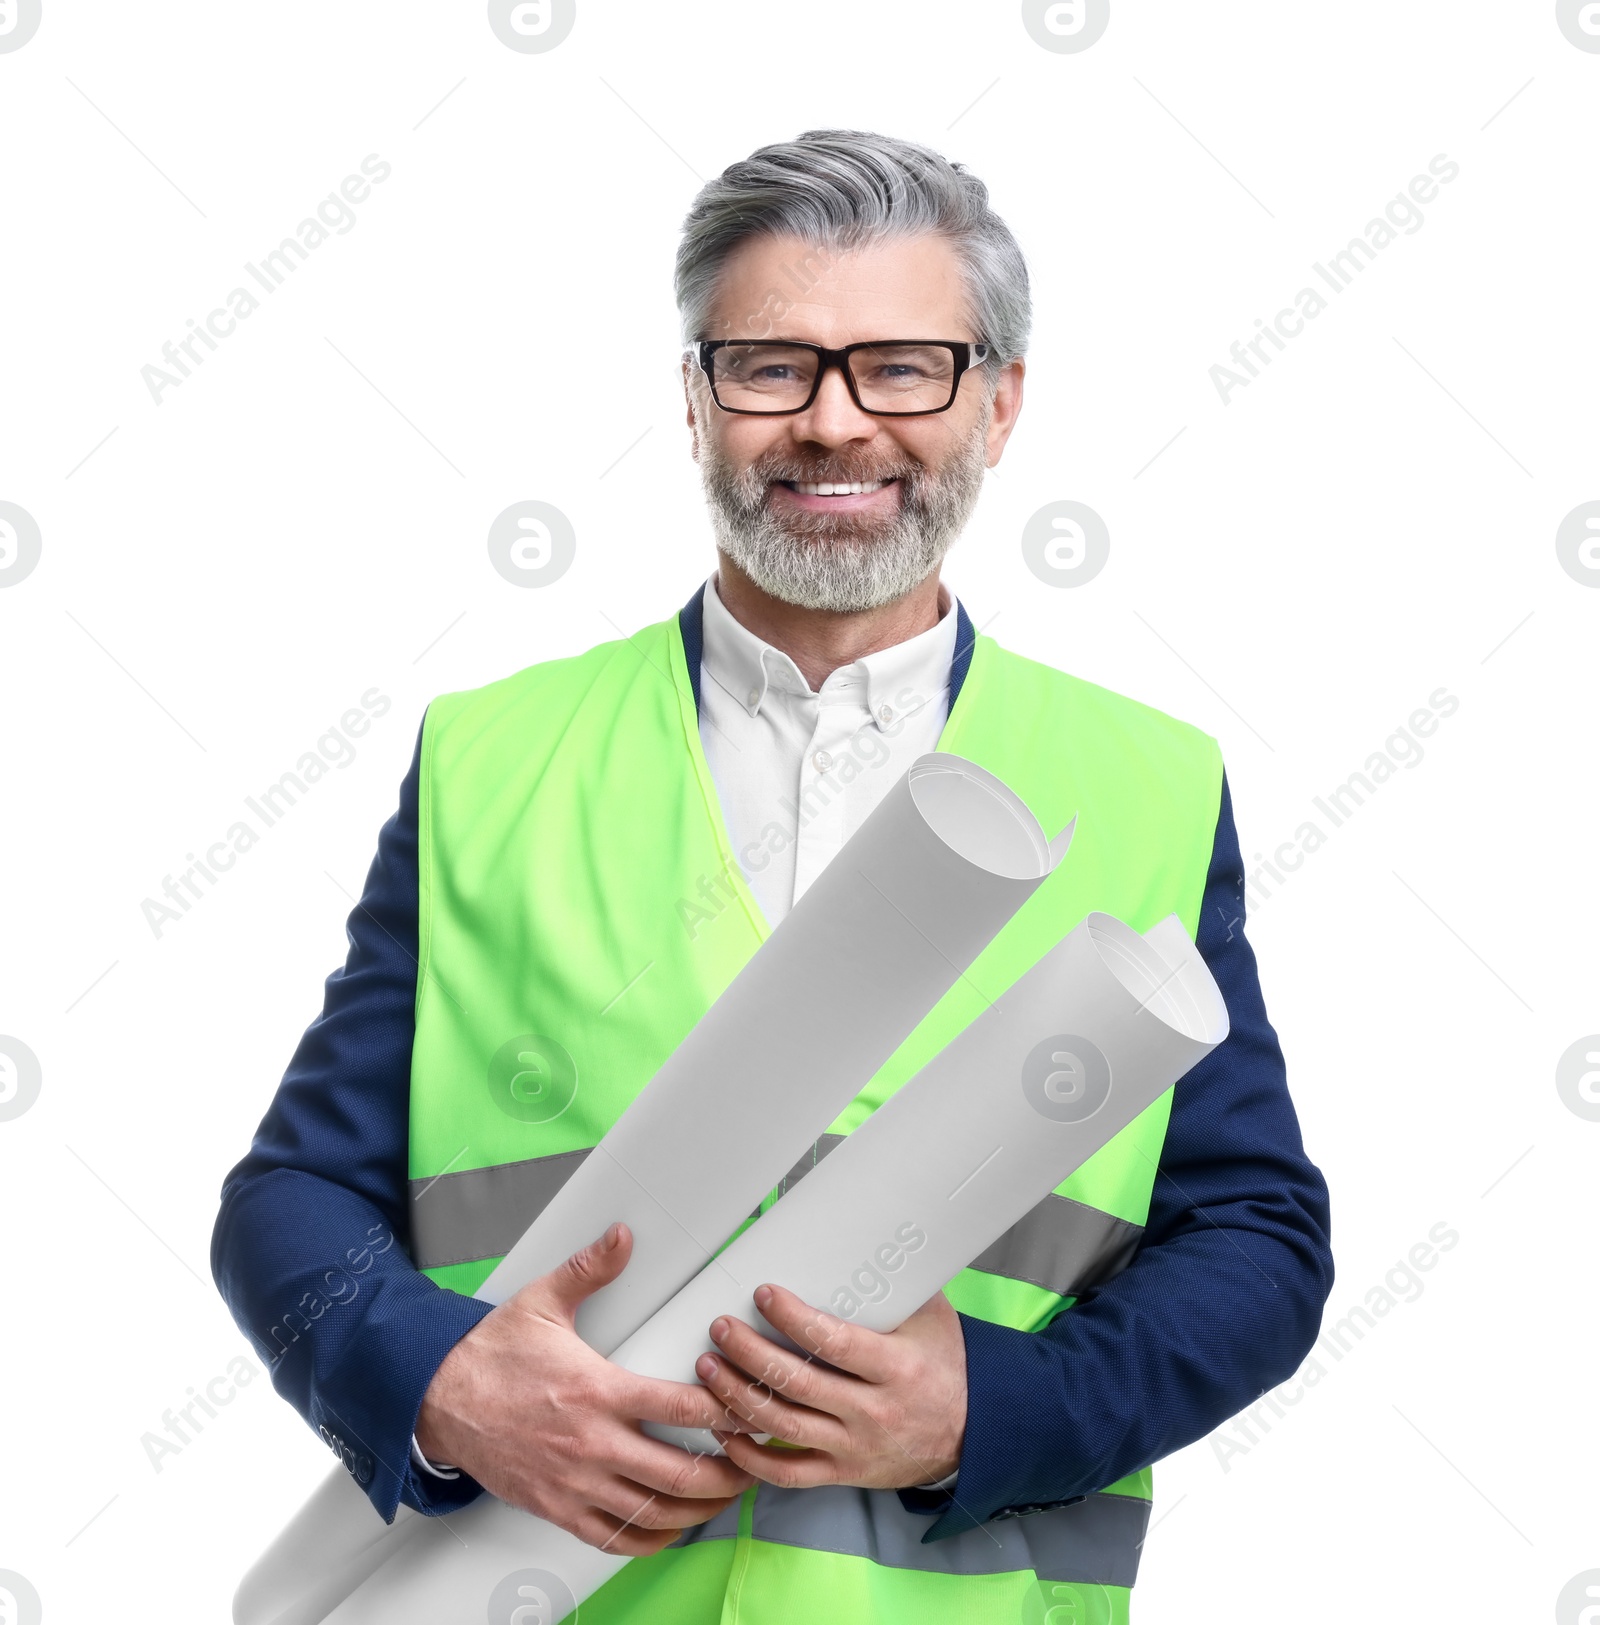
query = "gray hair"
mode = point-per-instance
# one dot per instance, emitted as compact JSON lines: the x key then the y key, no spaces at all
{"x":839,"y":190}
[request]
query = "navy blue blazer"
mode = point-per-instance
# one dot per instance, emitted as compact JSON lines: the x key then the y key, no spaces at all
{"x":1222,"y":1299}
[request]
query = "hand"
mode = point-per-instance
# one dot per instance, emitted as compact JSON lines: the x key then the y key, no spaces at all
{"x":887,"y":1410}
{"x":542,"y":1421}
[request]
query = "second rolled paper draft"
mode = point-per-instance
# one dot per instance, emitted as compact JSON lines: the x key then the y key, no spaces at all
{"x":1061,"y":1062}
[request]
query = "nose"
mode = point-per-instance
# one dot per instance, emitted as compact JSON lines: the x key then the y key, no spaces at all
{"x":833,"y":418}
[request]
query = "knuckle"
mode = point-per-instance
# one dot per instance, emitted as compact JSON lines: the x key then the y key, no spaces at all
{"x":580,"y":1400}
{"x":774,"y":1380}
{"x":628,"y":1541}
{"x":566,"y":1449}
{"x":586,"y":1528}
{"x":588,"y":1391}
{"x":688,"y":1408}
{"x":816,"y":1334}
{"x":740,"y":1398}
{"x":580,"y":1267}
{"x":751,"y":1399}
{"x":655,"y":1515}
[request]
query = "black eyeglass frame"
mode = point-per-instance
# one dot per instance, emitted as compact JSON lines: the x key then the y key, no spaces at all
{"x":965,"y":354}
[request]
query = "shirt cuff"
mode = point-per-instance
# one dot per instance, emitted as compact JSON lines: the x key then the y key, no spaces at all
{"x":944,"y":1485}
{"x":438,"y":1469}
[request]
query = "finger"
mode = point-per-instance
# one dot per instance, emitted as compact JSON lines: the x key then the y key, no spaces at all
{"x":863,"y":1353}
{"x":767,"y":1412}
{"x":585,"y":1272}
{"x":618,"y":1537}
{"x":687,"y":1476}
{"x":677,"y":1404}
{"x":785,"y":1469}
{"x":642,"y":1508}
{"x":793,"y":1377}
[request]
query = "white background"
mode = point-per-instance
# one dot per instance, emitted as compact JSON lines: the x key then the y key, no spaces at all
{"x":1371,"y":519}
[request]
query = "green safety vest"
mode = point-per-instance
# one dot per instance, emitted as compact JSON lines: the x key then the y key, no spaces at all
{"x":581,"y":907}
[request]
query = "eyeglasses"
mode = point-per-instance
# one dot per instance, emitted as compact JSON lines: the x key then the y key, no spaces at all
{"x":891,"y":378}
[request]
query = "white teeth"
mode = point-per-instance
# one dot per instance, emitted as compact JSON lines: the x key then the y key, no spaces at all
{"x":825,"y":489}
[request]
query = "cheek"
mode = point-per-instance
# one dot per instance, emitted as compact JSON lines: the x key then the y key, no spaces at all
{"x":940,"y":441}
{"x":743,"y":441}
{"x":923,"y":440}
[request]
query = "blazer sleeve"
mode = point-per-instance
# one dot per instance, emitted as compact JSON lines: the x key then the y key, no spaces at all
{"x":1222,"y":1299}
{"x":310,"y":1248}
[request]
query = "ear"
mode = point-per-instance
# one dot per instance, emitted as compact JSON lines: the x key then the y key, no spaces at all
{"x":1007,"y":406}
{"x":689,"y":417}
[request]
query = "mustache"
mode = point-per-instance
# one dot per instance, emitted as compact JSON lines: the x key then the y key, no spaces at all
{"x":768,"y":473}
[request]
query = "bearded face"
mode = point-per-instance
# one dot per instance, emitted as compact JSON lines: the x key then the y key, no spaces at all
{"x":863,"y":554}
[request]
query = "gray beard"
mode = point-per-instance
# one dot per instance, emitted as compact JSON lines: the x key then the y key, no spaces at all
{"x":842,"y":562}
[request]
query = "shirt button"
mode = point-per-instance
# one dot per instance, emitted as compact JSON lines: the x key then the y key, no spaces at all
{"x":822,"y":761}
{"x":885,"y":713}
{"x":755,"y":694}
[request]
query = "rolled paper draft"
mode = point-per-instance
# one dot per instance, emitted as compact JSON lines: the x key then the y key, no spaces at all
{"x":1064,"y":1060}
{"x":936,"y":870}
{"x":1067,"y":1057}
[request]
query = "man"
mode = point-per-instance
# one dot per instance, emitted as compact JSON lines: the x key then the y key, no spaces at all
{"x":856,"y":318}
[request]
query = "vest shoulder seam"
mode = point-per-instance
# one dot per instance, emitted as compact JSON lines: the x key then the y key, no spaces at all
{"x":1098,"y":693}
{"x":457,"y":702}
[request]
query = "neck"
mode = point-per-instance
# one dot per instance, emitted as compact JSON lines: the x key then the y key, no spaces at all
{"x":820,"y":641}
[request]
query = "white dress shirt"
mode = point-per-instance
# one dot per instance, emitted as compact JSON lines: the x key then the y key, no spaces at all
{"x":797,"y":771}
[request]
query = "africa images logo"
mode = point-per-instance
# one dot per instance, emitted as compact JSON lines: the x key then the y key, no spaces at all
{"x":19,"y":22}
{"x":1066,"y":544}
{"x":532,"y":544}
{"x":1579,"y":20}
{"x":1577,"y":544}
{"x":532,"y":1078}
{"x":532,"y":25}
{"x":19,"y":1602}
{"x":1577,"y":1078}
{"x":1066,"y":1078}
{"x":1579,"y":1602}
{"x":531,"y":1597}
{"x":20,"y":543}
{"x":20,"y":1082}
{"x":1065,"y":25}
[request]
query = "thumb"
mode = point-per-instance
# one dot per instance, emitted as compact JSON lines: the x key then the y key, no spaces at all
{"x":588,"y":1269}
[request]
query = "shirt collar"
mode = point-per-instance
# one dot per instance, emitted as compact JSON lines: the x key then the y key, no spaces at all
{"x":898,"y":680}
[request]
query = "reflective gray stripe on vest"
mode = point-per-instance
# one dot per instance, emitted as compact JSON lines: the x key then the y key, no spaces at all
{"x":1061,"y":1245}
{"x":1093,"y":1542}
{"x":482,"y":1212}
{"x":725,"y":1526}
{"x":813,"y":1156}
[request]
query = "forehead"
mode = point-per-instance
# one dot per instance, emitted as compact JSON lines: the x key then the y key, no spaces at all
{"x":784,"y":287}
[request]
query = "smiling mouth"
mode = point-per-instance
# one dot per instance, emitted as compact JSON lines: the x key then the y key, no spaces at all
{"x":834,"y":488}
